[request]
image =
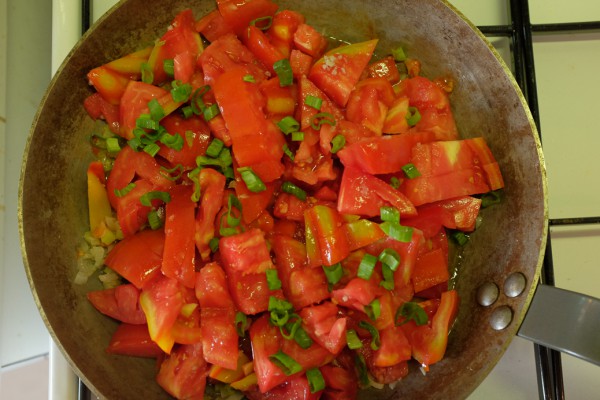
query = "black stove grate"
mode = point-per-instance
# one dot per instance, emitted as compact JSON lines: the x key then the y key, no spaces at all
{"x":520,"y":31}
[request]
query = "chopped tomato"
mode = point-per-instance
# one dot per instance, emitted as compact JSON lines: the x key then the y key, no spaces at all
{"x":97,"y":107}
{"x":324,"y":326}
{"x":109,"y":84}
{"x":384,"y":68}
{"x":300,"y":63}
{"x":282,"y":30}
{"x":196,"y":138}
{"x":212,"y":189}
{"x":138,"y":258}
{"x":134,"y":102}
{"x":212,"y":26}
{"x":394,"y":348}
{"x":253,"y":204}
{"x":238,"y":14}
{"x":258,"y":43}
{"x":121,"y":303}
{"x":266,"y":341}
{"x":457,"y":213}
{"x":309,"y":41}
{"x":183,"y":373}
{"x":431,"y":269}
{"x":133,"y":340}
{"x":339,"y":69}
{"x":180,"y":250}
{"x":246,"y":253}
{"x":327,"y":227}
{"x":162,"y":300}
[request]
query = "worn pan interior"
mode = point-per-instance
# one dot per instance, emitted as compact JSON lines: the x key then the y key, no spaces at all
{"x":486,"y":102}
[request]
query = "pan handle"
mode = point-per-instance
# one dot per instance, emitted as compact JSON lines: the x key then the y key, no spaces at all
{"x":565,"y":321}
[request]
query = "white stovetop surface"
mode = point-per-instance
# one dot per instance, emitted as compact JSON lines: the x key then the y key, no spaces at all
{"x":568,"y":84}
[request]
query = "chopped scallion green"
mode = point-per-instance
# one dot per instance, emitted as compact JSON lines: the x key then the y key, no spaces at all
{"x":337,"y":143}
{"x":288,"y":152}
{"x":375,"y":340}
{"x":287,"y":364}
{"x":241,"y":323}
{"x":395,"y":182}
{"x":262,"y":23}
{"x":314,"y":102}
{"x":154,"y":220}
{"x":289,"y":187}
{"x":460,"y":237}
{"x":399,"y":54}
{"x":333,"y":273}
{"x":413,"y":116}
{"x":366,"y":266}
{"x":273,"y":280}
{"x":180,"y":92}
{"x":288,"y":125}
{"x":389,"y":214}
{"x":391,"y":258}
{"x":320,"y":119}
{"x":373,"y":309}
{"x":147,"y":73}
{"x":169,"y":66}
{"x":316,"y":382}
{"x":353,"y":340}
{"x":283,"y":69}
{"x":213,"y":244}
{"x":297,"y":136}
{"x":249,"y":78}
{"x":112,"y":145}
{"x":410,"y":311}
{"x":146,"y":199}
{"x":174,"y":142}
{"x":122,"y":192}
{"x":252,"y":181}
{"x":152,"y":149}
{"x":210,"y":112}
{"x":214,"y":148}
{"x":411,"y":171}
{"x":396,"y":231}
{"x":167,"y":172}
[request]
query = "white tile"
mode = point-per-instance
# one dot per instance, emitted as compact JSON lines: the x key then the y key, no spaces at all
{"x":568,"y":87}
{"x":555,"y":11}
{"x":26,"y":380}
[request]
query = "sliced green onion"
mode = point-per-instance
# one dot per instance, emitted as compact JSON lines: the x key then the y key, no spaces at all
{"x":388,"y":277}
{"x":373,"y":309}
{"x":273,"y":280}
{"x":187,"y":111}
{"x":210,"y":112}
{"x":395,"y":182}
{"x":181,"y":92}
{"x":169,"y":66}
{"x":167,"y":172}
{"x":197,"y":102}
{"x":189,"y":138}
{"x":314,"y":102}
{"x":353,"y":340}
{"x":249,"y":78}
{"x":302,"y":338}
{"x":411,"y":312}
{"x":262,"y":27}
{"x":337,"y":143}
{"x":291,"y":326}
{"x":288,"y":152}
{"x":389,"y":214}
{"x":112,"y":145}
{"x":154,"y":220}
{"x":396,"y":231}
{"x":320,"y":119}
{"x":145,"y":122}
{"x":174,"y":142}
{"x":487,"y":200}
{"x":225,"y":157}
{"x":146,"y":199}
{"x":233,"y":202}
{"x":361,"y":370}
{"x":214,"y":148}
{"x":147,"y":73}
{"x":391,"y":258}
{"x":460,"y":237}
{"x":279,"y":317}
{"x":213,"y":244}
{"x":399,"y":54}
{"x":366,"y":266}
{"x":375,"y":340}
{"x":287,"y":364}
{"x":411,"y":171}
{"x":135,"y":143}
{"x":289,"y":187}
{"x":333,"y":273}
{"x":122,"y":192}
{"x":316,"y":382}
{"x":288,"y":125}
{"x":193,"y":175}
{"x":156,"y":111}
{"x":283,"y":69}
{"x":413,"y":116}
{"x":297,"y":136}
{"x":276,"y":303}
{"x":241,"y":323}
{"x":253,"y":181}
{"x":152,"y":149}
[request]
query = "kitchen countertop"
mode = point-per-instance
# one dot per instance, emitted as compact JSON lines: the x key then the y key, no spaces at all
{"x":568,"y":82}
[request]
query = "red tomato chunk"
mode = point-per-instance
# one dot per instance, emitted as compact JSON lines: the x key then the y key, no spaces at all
{"x":272,"y":202}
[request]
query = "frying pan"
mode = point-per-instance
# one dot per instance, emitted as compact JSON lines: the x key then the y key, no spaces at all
{"x":486,"y":102}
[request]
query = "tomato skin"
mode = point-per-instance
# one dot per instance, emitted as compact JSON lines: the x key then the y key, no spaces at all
{"x":300,"y":63}
{"x":212,"y":26}
{"x":97,"y":107}
{"x":219,"y":337}
{"x":258,"y":43}
{"x":290,"y":207}
{"x":364,"y":107}
{"x":327,"y":227}
{"x":183,"y":373}
{"x":429,"y":341}
{"x":180,"y":249}
{"x":431,"y":269}
{"x":309,"y":41}
{"x":138,"y":258}
{"x":196,"y":138}
{"x":341,"y":383}
{"x":133,"y":103}
{"x":384,"y":68}
{"x":121,"y":303}
{"x":327,"y":73}
{"x":266,"y":341}
{"x":253,"y":204}
{"x":109,"y":84}
{"x":324,"y":326}
{"x":395,"y":119}
{"x":457,"y":213}
{"x":282,"y":30}
{"x":228,"y":52}
{"x":246,"y":252}
{"x":364,"y":194}
{"x":133,"y":340}
{"x":394,"y":348}
{"x":357,"y":293}
{"x":238,"y":14}
{"x":162,"y":299}
{"x":212,"y":189}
